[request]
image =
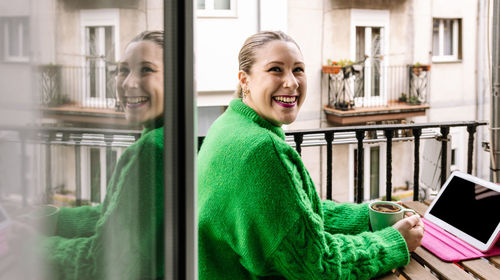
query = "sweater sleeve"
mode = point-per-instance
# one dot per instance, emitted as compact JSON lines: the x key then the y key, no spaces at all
{"x":347,"y":218}
{"x":78,"y":221}
{"x":308,"y":253}
{"x":127,"y":242}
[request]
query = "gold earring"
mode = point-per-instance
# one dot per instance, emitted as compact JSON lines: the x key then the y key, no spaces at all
{"x":245,"y":92}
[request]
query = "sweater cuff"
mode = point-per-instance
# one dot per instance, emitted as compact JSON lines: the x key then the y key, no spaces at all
{"x":397,"y":254}
{"x":79,"y":221}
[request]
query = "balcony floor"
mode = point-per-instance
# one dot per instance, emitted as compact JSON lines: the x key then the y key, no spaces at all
{"x":101,"y":117}
{"x":393,"y":111}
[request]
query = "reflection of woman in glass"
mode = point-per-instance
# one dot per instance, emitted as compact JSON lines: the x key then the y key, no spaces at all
{"x":259,"y":213}
{"x":123,"y":237}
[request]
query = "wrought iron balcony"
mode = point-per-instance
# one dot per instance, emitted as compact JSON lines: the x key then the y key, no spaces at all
{"x":91,"y":86}
{"x":44,"y":144}
{"x":358,"y":94}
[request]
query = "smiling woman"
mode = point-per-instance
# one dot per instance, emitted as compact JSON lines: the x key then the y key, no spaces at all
{"x":140,"y":79}
{"x":259,"y":213}
{"x":122,"y":238}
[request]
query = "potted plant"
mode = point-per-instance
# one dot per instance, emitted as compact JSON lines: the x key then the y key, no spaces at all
{"x":403,"y":98}
{"x":418,"y":68}
{"x":334,"y":67}
{"x":413,"y":100}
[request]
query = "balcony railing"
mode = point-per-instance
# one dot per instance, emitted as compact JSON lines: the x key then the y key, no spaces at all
{"x":356,"y":134}
{"x":356,"y":86}
{"x":75,"y":139}
{"x":92,"y":86}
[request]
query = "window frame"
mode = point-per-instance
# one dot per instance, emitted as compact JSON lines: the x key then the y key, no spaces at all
{"x":456,"y":33}
{"x":210,"y":11}
{"x":6,"y":39}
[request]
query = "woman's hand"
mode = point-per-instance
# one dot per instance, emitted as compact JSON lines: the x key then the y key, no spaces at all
{"x":412,"y":230}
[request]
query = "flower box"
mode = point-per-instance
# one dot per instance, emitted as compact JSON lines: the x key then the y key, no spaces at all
{"x":331,"y":69}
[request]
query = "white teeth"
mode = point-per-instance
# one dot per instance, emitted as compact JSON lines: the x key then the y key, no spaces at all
{"x":136,"y":100}
{"x":284,"y":99}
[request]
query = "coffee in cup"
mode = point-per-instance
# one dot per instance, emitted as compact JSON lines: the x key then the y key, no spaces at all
{"x":385,"y":207}
{"x":385,"y":214}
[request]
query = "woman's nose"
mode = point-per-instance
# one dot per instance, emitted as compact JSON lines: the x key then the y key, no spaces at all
{"x":290,"y":81}
{"x":130,"y":81}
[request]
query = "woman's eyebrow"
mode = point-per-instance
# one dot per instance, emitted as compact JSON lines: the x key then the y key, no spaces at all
{"x":149,"y":63}
{"x":282,"y":63}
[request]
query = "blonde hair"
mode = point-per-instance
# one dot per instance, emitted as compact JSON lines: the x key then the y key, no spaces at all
{"x":246,"y":57}
{"x":155,"y":36}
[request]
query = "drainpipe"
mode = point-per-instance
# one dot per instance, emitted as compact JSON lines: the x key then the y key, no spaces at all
{"x":258,"y":16}
{"x":480,"y":80}
{"x":495,"y":94}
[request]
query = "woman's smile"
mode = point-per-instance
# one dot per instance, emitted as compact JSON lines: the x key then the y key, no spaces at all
{"x":133,"y":102}
{"x":286,"y":101}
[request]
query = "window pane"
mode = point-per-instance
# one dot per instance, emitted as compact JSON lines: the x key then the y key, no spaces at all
{"x":14,"y":37}
{"x":376,"y":63}
{"x":448,"y":37}
{"x":26,"y":38}
{"x":89,"y":152}
{"x":201,"y":4}
{"x":360,"y":55}
{"x":95,"y":175}
{"x":374,"y":172}
{"x":222,"y":4}
{"x":435,"y":37}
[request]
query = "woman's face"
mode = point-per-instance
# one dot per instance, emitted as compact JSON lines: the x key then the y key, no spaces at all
{"x":276,"y":83}
{"x":140,"y":81}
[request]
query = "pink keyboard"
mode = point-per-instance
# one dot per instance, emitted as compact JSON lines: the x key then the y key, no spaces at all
{"x":450,"y":248}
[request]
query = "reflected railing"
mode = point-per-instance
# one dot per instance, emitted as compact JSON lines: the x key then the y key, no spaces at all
{"x":92,"y":86}
{"x":60,"y":162}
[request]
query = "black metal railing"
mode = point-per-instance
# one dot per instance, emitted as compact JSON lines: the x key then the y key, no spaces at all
{"x":47,"y":137}
{"x":388,"y":131}
{"x":391,"y":133}
{"x":357,"y":86}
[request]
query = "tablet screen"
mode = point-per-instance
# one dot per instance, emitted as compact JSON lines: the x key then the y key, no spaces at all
{"x":469,"y":207}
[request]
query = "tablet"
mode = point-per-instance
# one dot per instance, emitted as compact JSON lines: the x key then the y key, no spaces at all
{"x":469,"y":208}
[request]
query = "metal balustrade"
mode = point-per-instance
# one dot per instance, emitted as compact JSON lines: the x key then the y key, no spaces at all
{"x":385,"y":133}
{"x":48,"y":137}
{"x":357,"y":86}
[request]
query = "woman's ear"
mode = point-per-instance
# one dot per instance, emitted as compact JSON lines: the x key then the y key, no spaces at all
{"x":243,"y":77}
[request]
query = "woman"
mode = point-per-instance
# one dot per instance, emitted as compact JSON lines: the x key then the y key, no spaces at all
{"x":123,"y":237}
{"x":259,"y":213}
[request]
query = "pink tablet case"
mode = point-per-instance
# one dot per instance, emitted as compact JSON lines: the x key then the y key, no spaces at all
{"x":450,"y":248}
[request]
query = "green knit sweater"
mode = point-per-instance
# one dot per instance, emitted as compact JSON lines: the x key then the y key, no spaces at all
{"x":123,"y":237}
{"x":260,"y":216}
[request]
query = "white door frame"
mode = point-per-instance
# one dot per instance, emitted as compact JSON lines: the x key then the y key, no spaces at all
{"x":97,"y":18}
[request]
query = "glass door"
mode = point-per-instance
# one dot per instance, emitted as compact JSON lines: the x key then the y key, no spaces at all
{"x":369,"y":90}
{"x":100,"y":64}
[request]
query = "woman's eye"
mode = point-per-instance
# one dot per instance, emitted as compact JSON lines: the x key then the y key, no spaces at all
{"x":298,"y":69}
{"x":122,"y":70}
{"x":147,"y":69}
{"x":274,"y":69}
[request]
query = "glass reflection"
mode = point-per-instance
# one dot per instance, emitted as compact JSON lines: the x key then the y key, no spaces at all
{"x":67,"y":140}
